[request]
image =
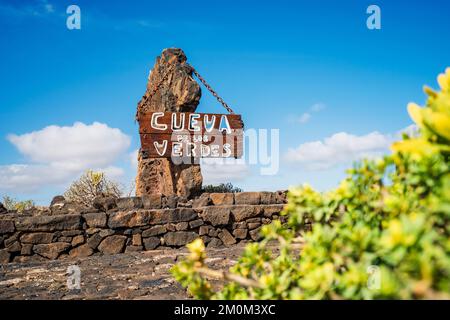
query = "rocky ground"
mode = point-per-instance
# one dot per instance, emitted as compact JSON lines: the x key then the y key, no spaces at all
{"x":135,"y":275}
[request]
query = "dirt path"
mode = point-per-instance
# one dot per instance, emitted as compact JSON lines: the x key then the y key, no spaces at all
{"x":140,"y":275}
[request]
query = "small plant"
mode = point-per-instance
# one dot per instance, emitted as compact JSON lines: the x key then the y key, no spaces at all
{"x":20,"y":206}
{"x":221,"y":188}
{"x":91,"y":185}
{"x":384,"y":233}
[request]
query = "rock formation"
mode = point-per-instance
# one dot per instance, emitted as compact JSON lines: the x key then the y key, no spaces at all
{"x":179,"y":92}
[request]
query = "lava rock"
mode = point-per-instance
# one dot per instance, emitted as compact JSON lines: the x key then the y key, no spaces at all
{"x":179,"y":238}
{"x":226,"y":237}
{"x":82,"y":251}
{"x":217,"y":216}
{"x":178,"y":92}
{"x":249,"y":198}
{"x":37,"y":238}
{"x":151,"y":243}
{"x":220,"y":199}
{"x":6,"y":226}
{"x":154,"y":231}
{"x":49,"y":223}
{"x":52,"y":250}
{"x":112,"y":244}
{"x":95,"y":219}
{"x":241,"y":213}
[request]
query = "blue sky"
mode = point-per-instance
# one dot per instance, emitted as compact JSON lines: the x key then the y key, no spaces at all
{"x":309,"y":68}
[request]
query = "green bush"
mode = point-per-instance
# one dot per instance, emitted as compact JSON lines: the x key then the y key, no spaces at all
{"x":384,"y":233}
{"x":91,"y":185}
{"x":221,"y":188}
{"x":15,"y":205}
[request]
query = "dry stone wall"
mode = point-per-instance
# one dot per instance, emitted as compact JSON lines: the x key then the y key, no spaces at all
{"x":112,"y":226}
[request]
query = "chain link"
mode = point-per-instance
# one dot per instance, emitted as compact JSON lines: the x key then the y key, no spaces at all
{"x":223,"y":103}
{"x":145,"y":98}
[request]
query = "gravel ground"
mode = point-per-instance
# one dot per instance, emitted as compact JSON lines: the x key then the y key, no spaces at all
{"x":139,"y":275}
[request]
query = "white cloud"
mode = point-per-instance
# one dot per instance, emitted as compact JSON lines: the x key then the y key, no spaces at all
{"x":317,"y":107}
{"x":112,"y":172}
{"x":304,"y":117}
{"x":75,"y":147}
{"x":149,"y":23}
{"x":57,"y":154}
{"x":39,"y":8}
{"x":411,"y":130}
{"x":216,"y":171}
{"x":133,"y":156}
{"x":26,"y":178}
{"x":49,"y":8}
{"x":337,"y":149}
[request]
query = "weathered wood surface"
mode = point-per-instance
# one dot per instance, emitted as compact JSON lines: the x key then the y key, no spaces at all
{"x":197,"y":135}
{"x":167,"y":145}
{"x":182,"y":121}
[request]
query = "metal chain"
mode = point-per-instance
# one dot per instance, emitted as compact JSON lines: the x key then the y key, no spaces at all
{"x":145,"y":98}
{"x":164,"y":78}
{"x":223,"y":103}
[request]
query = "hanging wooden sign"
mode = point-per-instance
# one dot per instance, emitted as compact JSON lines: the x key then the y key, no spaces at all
{"x":186,"y":134}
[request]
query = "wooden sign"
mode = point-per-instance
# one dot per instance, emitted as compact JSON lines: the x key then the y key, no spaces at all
{"x":186,"y":134}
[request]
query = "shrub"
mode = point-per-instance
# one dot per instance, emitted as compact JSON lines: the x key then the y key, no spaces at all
{"x":384,"y":233}
{"x":91,"y":185}
{"x":221,"y":188}
{"x":20,"y":206}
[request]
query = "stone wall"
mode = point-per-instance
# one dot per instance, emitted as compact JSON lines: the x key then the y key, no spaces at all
{"x":111,"y":226}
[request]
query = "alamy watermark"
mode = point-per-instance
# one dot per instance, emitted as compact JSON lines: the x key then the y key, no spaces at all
{"x":259,"y":147}
{"x":73,"y":277}
{"x":374,"y":278}
{"x":374,"y":20}
{"x":73,"y":21}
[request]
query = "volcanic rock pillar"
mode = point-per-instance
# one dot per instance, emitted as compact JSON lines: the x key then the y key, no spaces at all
{"x":170,"y":88}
